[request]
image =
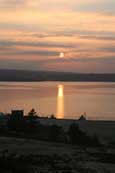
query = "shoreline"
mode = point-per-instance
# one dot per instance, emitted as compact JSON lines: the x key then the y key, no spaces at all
{"x":83,"y":81}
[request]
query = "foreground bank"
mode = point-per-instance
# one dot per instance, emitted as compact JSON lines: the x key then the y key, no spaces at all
{"x":27,"y":155}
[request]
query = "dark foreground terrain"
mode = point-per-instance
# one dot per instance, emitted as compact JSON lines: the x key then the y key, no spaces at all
{"x":46,"y":145}
{"x":31,"y":156}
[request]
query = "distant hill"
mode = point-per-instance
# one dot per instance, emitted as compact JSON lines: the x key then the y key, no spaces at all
{"x":24,"y":75}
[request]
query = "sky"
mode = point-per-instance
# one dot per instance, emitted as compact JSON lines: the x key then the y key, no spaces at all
{"x":33,"y":33}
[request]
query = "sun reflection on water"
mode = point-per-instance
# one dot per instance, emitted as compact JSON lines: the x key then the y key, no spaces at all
{"x":60,"y":102}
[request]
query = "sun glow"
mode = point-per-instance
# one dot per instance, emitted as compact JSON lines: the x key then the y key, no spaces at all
{"x":60,"y":91}
{"x":60,"y":102}
{"x":61,"y":55}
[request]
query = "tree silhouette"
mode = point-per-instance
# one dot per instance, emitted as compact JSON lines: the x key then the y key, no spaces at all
{"x":57,"y":134}
{"x":32,"y":113}
{"x":76,"y":135}
{"x":32,"y":125}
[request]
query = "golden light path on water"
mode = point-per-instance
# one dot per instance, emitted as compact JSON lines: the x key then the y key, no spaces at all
{"x":60,"y":102}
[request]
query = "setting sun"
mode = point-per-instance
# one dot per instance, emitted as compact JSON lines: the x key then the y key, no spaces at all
{"x":61,"y":55}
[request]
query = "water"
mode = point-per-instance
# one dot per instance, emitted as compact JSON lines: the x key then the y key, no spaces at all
{"x":63,"y":99}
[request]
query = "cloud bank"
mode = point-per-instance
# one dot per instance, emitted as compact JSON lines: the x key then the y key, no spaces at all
{"x":33,"y":33}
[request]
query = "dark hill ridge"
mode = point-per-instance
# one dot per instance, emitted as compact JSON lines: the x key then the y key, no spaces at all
{"x":24,"y":75}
